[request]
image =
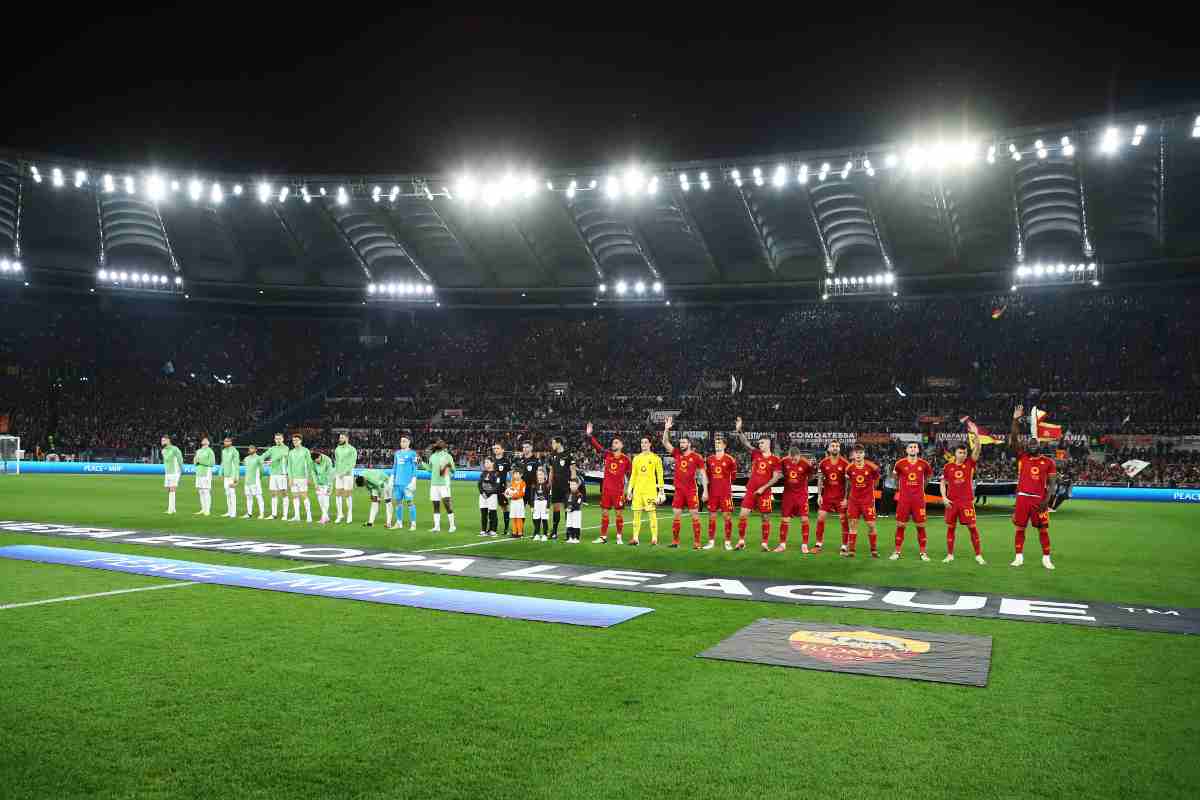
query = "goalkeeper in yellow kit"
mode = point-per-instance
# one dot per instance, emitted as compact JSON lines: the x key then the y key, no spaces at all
{"x":646,"y":490}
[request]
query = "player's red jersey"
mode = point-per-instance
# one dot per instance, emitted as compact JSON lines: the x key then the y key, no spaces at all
{"x":796,"y":474}
{"x":686,"y":467}
{"x":833,"y":474}
{"x":862,"y":480}
{"x":959,"y":479}
{"x":616,"y":469}
{"x":721,"y":471}
{"x":1032,"y":474}
{"x":911,"y":477}
{"x":761,"y":469}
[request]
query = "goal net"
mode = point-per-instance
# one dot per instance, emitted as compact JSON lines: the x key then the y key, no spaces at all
{"x":10,"y":455}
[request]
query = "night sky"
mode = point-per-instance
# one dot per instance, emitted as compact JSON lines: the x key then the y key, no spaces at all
{"x":212,"y":88}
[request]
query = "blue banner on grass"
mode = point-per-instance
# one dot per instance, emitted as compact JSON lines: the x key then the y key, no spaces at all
{"x":596,"y":615}
{"x":1141,"y":494}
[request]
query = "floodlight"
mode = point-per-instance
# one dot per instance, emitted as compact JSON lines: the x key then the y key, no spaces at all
{"x":342,"y":197}
{"x":392,"y":195}
{"x":102,"y":274}
{"x":108,"y":184}
{"x":737,"y":177}
{"x":264,"y":192}
{"x":237,"y":190}
{"x":37,"y":176}
{"x":195,"y":188}
{"x":621,"y":287}
{"x":571,"y":187}
{"x":602,"y":288}
{"x":284,"y":191}
{"x":1110,"y":143}
{"x":652,"y":187}
{"x":803,"y":174}
{"x":216,"y":195}
{"x":56,"y":176}
{"x":1092,"y":267}
{"x":780,"y":177}
{"x":683,"y":181}
{"x":612,"y":187}
{"x":640,"y":287}
{"x":890,"y":160}
{"x":375,"y":194}
{"x":80,"y":178}
{"x":1038,"y":271}
{"x":657,"y":287}
{"x":1022,"y":272}
{"x":155,"y":189}
{"x":130,"y":187}
{"x":178,"y":281}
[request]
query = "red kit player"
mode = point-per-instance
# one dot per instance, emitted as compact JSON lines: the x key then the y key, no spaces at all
{"x":764,"y":473}
{"x":797,"y":470}
{"x":911,"y":473}
{"x":1037,"y":481}
{"x":831,"y":493}
{"x":688,"y":465}
{"x":958,"y":494}
{"x":721,"y":469}
{"x":862,"y":476}
{"x":617,"y":469}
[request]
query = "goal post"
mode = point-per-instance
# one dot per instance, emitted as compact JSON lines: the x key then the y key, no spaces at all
{"x":10,"y":455}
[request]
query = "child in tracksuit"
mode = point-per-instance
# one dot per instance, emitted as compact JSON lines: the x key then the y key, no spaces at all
{"x":490,"y":488}
{"x":575,"y":501}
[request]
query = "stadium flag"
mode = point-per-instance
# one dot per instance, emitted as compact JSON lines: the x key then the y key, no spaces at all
{"x":998,"y":312}
{"x":1042,"y":430}
{"x":733,"y":384}
{"x":1133,"y":466}
{"x":984,"y":436}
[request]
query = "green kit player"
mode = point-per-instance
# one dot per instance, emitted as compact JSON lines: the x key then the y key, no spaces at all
{"x":231,"y":464}
{"x":277,"y":483}
{"x":300,"y":471}
{"x":378,"y":485}
{"x":344,"y":459}
{"x":204,"y":461}
{"x":323,"y":470}
{"x":441,"y":471}
{"x":253,"y":464}
{"x":172,"y":467}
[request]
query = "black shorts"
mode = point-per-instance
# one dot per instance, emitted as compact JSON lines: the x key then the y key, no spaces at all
{"x":559,"y":494}
{"x":503,"y":500}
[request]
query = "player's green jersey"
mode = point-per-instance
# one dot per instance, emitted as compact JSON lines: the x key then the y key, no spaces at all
{"x":204,"y":460}
{"x":299,"y":463}
{"x":437,"y":462}
{"x":375,"y":479}
{"x":172,"y":460}
{"x":254,"y":467}
{"x":323,"y":468}
{"x":277,"y":455}
{"x":230,"y":462}
{"x":345,"y":457}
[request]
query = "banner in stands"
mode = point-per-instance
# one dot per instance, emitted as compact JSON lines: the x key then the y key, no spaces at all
{"x":1081,"y":613}
{"x":919,"y":438}
{"x":951,"y":438}
{"x":874,"y":438}
{"x":934,"y":382}
{"x":916,"y":655}
{"x":452,"y":412}
{"x":821,"y":437}
{"x":1123,"y":440}
{"x":695,"y":436}
{"x":570,"y":612}
{"x":661,"y":414}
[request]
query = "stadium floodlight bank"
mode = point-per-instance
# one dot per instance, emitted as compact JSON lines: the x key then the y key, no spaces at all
{"x":138,"y":281}
{"x":1060,"y":274}
{"x":10,"y":455}
{"x":880,"y":284}
{"x":420,"y":292}
{"x":11,"y":269}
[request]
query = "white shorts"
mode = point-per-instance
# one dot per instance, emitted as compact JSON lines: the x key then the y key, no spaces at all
{"x":171,"y":480}
{"x":230,"y":482}
{"x":278,"y":483}
{"x":344,"y":483}
{"x":489,"y":502}
{"x":575,"y":519}
{"x":298,"y":485}
{"x":516,"y":508}
{"x":204,"y":481}
{"x":539,"y":509}
{"x":437,"y":493}
{"x":253,"y":489}
{"x":323,"y":491}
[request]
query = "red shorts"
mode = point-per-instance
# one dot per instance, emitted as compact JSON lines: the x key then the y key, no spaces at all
{"x":910,"y":507}
{"x":861,"y":508}
{"x":720,"y":502}
{"x":687,"y":498}
{"x":831,"y":505}
{"x":964,"y":513}
{"x":795,"y":504}
{"x":613,"y":499}
{"x":762,"y":503}
{"x":1027,"y":512}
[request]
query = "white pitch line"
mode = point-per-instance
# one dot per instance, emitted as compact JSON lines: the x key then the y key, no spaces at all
{"x":503,"y":540}
{"x":173,"y":585}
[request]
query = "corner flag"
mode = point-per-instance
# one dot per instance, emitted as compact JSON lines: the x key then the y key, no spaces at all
{"x":1042,"y":430}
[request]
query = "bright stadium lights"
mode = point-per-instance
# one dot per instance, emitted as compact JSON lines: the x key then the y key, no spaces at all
{"x":37,"y":176}
{"x":780,"y":177}
{"x":109,"y":186}
{"x":684,"y":183}
{"x":914,"y":159}
{"x":602,"y":288}
{"x":491,"y":194}
{"x":1068,"y":149}
{"x":867,"y":166}
{"x":174,"y":186}
{"x":101,"y":275}
{"x":178,"y":281}
{"x":657,"y":287}
{"x":891,"y":160}
{"x":640,"y":287}
{"x":1038,"y":270}
{"x":941,"y":155}
{"x":572,"y":187}
{"x":1095,"y":283}
{"x":466,"y":188}
{"x":304,"y":195}
{"x":1111,"y":141}
{"x":323,"y":192}
{"x":1014,"y":288}
{"x":824,"y":173}
{"x":965,"y":153}
{"x":509,"y":187}
{"x":342,"y":197}
{"x":652,"y":187}
{"x":621,"y":287}
{"x":1022,"y":272}
{"x":846,"y":169}
{"x":737,"y":177}
{"x":1092,"y":267}
{"x":130,"y":187}
{"x":529,"y":186}
{"x":124,"y":276}
{"x":370,"y":288}
{"x":237,"y":190}
{"x":1138,"y":133}
{"x":991,"y":154}
{"x":195,"y":188}
{"x":634,"y":181}
{"x":758,"y":176}
{"x":155,"y":188}
{"x":704,"y":182}
{"x":56,"y":177}
{"x":264,"y":192}
{"x":216,"y":195}
{"x":375,"y":193}
{"x":1041,"y":148}
{"x":1196,"y":128}
{"x":802,"y":175}
{"x":80,"y":178}
{"x":612,"y":187}
{"x":284,"y":191}
{"x":593,"y":183}
{"x":394,"y":193}
{"x":550,"y":186}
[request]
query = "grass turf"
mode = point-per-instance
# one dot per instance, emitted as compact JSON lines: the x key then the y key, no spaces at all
{"x":207,"y":691}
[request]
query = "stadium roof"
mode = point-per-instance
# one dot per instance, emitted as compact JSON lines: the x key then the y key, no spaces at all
{"x":1121,"y":191}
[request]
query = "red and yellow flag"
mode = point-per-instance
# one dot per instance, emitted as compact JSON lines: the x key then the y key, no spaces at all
{"x":984,"y":436}
{"x":1042,"y":430}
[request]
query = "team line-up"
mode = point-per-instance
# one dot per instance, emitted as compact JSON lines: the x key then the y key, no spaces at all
{"x":512,"y":486}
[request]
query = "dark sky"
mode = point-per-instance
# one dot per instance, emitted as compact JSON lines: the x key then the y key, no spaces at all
{"x":333,"y":91}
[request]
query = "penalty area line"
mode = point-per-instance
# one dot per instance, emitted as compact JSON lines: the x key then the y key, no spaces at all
{"x":172,"y":585}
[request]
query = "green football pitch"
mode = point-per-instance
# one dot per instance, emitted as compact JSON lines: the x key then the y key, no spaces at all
{"x":209,"y":691}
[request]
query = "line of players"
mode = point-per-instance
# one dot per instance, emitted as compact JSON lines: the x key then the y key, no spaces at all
{"x":845,"y":488}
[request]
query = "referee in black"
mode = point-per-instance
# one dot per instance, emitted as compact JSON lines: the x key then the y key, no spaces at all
{"x":529,"y":464}
{"x":502,"y":465}
{"x":562,"y":472}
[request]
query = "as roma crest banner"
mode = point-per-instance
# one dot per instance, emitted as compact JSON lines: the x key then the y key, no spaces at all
{"x":863,"y":650}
